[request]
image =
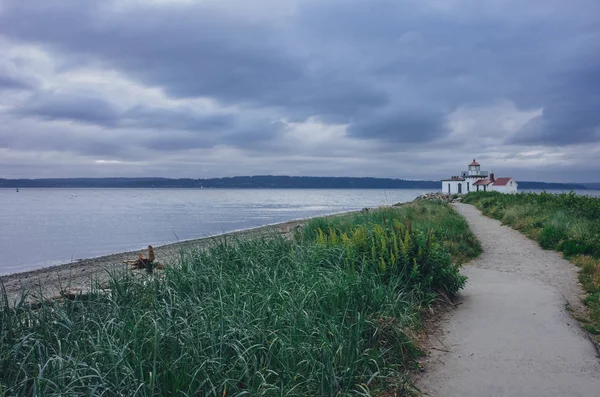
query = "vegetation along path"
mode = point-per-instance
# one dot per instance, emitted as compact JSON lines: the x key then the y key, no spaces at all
{"x":512,"y":335}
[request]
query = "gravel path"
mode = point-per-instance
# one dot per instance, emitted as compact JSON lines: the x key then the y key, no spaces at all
{"x":512,"y":335}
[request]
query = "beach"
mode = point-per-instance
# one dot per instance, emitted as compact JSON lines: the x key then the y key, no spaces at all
{"x":79,"y":275}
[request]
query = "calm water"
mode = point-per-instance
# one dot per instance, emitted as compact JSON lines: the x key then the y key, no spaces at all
{"x":42,"y":227}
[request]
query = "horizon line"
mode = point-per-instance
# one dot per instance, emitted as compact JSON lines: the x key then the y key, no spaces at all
{"x":266,"y":175}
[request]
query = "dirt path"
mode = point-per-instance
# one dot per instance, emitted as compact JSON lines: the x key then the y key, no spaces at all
{"x":512,"y":335}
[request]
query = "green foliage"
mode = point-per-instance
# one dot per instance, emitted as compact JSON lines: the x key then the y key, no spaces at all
{"x":448,"y":228}
{"x":586,"y":207}
{"x":411,"y":257}
{"x":331,"y":313}
{"x":563,"y":222}
{"x":552,"y":235}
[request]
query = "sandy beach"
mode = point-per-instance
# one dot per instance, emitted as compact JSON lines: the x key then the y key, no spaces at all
{"x":80,"y":275}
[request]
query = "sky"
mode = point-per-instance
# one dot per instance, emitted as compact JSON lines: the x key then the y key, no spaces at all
{"x":412,"y":89}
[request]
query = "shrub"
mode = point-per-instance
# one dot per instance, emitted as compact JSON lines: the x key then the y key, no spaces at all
{"x":411,"y":258}
{"x":551,"y":236}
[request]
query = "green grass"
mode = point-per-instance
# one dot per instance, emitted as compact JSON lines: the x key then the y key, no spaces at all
{"x":332,"y":311}
{"x":563,"y":222}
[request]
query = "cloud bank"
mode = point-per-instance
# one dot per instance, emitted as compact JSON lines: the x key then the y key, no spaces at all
{"x":404,"y":88}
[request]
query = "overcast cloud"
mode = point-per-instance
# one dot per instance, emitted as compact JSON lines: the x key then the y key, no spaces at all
{"x":392,"y":88}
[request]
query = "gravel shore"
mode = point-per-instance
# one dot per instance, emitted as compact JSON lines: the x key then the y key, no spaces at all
{"x":80,"y":275}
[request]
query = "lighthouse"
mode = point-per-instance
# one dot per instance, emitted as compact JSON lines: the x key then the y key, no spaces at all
{"x":476,"y":180}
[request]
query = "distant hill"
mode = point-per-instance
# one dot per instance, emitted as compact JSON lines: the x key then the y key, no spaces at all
{"x":252,"y":182}
{"x":261,"y":181}
{"x":594,"y":186}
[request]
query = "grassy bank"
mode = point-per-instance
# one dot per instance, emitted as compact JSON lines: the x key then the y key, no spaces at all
{"x":331,"y":312}
{"x":563,"y":222}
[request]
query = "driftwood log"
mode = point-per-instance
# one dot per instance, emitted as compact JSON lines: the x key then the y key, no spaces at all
{"x":149,"y":263}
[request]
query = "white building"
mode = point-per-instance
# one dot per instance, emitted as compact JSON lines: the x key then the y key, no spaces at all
{"x":476,"y":180}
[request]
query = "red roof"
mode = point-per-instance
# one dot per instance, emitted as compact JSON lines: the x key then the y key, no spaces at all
{"x":501,"y":181}
{"x":474,"y":163}
{"x":483,"y":182}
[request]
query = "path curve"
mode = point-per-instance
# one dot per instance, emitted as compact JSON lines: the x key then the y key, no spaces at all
{"x":512,"y":335}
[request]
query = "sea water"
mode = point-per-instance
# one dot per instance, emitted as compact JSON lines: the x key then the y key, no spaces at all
{"x":42,"y":227}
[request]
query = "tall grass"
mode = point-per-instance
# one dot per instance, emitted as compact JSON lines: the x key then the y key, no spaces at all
{"x":563,"y":222}
{"x":314,"y":315}
{"x":444,"y":225}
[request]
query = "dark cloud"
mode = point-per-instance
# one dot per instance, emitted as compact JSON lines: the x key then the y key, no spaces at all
{"x":89,"y":143}
{"x":571,"y":114}
{"x":401,"y":126}
{"x":562,"y":125}
{"x":178,"y":141}
{"x":169,"y":129}
{"x":206,"y":53}
{"x":12,"y":79}
{"x":181,"y":118}
{"x":471,"y":56}
{"x":15,"y":83}
{"x":256,"y":135}
{"x":93,"y":108}
{"x":393,"y":71}
{"x":79,"y":107}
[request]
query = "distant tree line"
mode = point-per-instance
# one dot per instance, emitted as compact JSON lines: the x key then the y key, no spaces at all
{"x":253,"y":182}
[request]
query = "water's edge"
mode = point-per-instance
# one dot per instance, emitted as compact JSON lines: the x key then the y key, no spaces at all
{"x":83,"y":271}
